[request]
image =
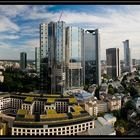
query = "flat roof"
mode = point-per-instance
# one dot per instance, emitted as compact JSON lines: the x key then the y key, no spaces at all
{"x":101,"y":130}
{"x":72,"y":100}
{"x":51,"y":111}
{"x":50,"y":100}
{"x":77,"y":108}
{"x":109,"y":116}
{"x":29,"y":99}
{"x":22,"y":112}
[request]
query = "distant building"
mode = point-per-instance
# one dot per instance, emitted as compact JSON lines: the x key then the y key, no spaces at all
{"x":113,"y":62}
{"x":37,"y":60}
{"x":127,"y":56}
{"x":133,"y":62}
{"x":23,"y":60}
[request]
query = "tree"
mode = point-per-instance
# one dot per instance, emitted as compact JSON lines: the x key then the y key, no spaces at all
{"x":111,"y":89}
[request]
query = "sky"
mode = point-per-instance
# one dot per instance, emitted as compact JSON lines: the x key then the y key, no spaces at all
{"x":19,"y":26}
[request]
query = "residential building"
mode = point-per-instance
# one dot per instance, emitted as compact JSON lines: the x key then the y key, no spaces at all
{"x":103,"y":89}
{"x":92,"y":57}
{"x":102,"y":106}
{"x":113,"y":62}
{"x":23,"y":60}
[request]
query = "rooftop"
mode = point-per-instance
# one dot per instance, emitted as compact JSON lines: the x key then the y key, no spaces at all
{"x":29,"y":99}
{"x":77,"y":108}
{"x":22,"y":112}
{"x":50,"y":100}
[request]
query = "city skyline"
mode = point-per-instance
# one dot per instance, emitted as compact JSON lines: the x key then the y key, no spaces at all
{"x":19,"y":27}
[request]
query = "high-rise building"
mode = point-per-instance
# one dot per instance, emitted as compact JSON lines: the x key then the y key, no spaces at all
{"x":74,"y":58}
{"x":37,"y":59}
{"x":127,"y":56}
{"x":113,"y":62}
{"x":43,"y":55}
{"x":92,"y":57}
{"x":62,"y":57}
{"x":52,"y":50}
{"x":23,"y":60}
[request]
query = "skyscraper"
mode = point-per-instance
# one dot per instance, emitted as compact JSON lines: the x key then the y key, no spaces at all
{"x":74,"y":58}
{"x":127,"y":56}
{"x":92,"y":57}
{"x":52,"y":50}
{"x":43,"y":55}
{"x":37,"y":59}
{"x":62,"y":57}
{"x":23,"y":60}
{"x":113,"y":62}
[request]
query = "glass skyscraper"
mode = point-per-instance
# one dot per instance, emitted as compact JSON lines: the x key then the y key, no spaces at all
{"x":92,"y":57}
{"x":63,"y":51}
{"x":74,"y":57}
{"x":52,"y":44}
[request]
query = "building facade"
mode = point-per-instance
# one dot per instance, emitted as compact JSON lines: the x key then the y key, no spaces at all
{"x":74,"y":58}
{"x":23,"y":60}
{"x":69,"y":56}
{"x":113,"y":62}
{"x":127,"y":56}
{"x":92,"y":57}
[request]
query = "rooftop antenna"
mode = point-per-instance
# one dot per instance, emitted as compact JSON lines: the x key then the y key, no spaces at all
{"x":60,"y":15}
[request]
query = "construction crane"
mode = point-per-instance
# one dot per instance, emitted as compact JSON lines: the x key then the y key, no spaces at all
{"x":60,"y":16}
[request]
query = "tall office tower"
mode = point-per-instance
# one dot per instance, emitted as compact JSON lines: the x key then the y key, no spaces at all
{"x":127,"y":56}
{"x":52,"y":50}
{"x":37,"y":60}
{"x":74,"y":58}
{"x":92,"y":57}
{"x":113,"y":62}
{"x":23,"y":60}
{"x":43,"y":55}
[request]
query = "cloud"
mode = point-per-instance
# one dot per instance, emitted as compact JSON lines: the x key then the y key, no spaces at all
{"x":7,"y":25}
{"x":116,"y":24}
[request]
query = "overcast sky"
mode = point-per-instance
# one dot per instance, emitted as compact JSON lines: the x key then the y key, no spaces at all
{"x":19,"y":26}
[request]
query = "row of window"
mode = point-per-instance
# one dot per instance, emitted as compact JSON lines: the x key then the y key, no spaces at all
{"x":49,"y":131}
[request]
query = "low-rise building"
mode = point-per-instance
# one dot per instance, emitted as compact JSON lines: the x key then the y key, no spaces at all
{"x":103,"y":89}
{"x":110,"y":119}
{"x":136,"y":103}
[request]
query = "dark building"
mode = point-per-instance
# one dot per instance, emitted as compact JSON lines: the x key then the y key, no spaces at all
{"x":113,"y":62}
{"x":23,"y":60}
{"x":92,"y":57}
